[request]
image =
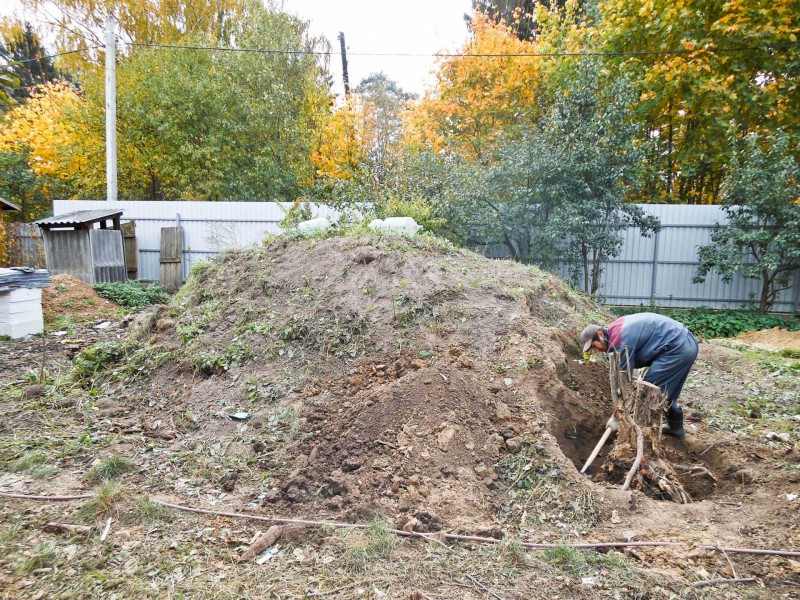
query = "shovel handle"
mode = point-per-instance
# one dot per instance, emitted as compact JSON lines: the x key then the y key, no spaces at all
{"x":596,"y":450}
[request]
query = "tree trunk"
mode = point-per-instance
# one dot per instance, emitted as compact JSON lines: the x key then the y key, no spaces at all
{"x":764,"y":303}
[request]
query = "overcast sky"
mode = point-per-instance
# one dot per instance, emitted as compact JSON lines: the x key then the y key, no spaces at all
{"x":421,"y":27}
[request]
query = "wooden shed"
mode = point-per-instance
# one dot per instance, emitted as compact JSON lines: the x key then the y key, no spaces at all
{"x":86,"y":244}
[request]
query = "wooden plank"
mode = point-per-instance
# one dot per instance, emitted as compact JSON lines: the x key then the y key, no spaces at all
{"x":131,"y":247}
{"x":171,"y":260}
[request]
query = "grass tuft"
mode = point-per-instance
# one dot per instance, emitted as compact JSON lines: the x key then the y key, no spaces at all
{"x":149,"y":512}
{"x":43,"y":555}
{"x":110,"y":468}
{"x":104,"y":503}
{"x":368,"y":545}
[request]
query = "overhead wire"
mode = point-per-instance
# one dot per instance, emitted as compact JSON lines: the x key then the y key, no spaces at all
{"x":476,"y":55}
{"x":38,"y":58}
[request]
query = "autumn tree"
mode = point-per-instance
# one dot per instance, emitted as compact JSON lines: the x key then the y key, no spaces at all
{"x":80,"y":24}
{"x":477,"y":100}
{"x":761,"y":239}
{"x":210,"y":124}
{"x":32,"y":138}
{"x":702,"y":65}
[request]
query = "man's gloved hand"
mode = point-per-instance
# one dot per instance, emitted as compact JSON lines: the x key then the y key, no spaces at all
{"x":612,"y":424}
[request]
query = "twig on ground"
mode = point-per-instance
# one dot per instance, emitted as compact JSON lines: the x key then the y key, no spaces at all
{"x":67,"y":528}
{"x":262,"y":542}
{"x":703,"y":453}
{"x":483,"y":587}
{"x":733,"y":569}
{"x":720,"y":581}
{"x":51,"y":498}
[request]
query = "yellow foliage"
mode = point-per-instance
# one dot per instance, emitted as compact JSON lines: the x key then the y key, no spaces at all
{"x":39,"y":128}
{"x":343,"y":140}
{"x":478,"y":96}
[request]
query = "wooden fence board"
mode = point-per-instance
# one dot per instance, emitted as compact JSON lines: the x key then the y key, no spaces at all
{"x":131,"y":247}
{"x":171,"y":260}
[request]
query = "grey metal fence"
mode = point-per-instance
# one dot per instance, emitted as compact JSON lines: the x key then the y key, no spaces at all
{"x":656,"y":270}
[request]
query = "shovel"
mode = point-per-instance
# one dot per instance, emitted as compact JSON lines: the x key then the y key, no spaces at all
{"x":596,"y":450}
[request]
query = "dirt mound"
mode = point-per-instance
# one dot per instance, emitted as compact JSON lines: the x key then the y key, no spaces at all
{"x":69,"y":296}
{"x":775,"y":339}
{"x":386,"y":376}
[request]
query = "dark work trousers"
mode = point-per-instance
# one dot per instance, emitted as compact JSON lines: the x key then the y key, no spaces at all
{"x":670,"y":368}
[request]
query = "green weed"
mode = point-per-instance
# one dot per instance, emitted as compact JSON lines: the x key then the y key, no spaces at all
{"x":110,"y":468}
{"x":132,"y":294}
{"x":43,"y":556}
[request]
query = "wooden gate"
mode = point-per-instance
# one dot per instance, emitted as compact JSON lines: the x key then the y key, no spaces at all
{"x":171,"y":272}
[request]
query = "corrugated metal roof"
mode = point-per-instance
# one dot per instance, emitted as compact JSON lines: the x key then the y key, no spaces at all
{"x":6,"y":205}
{"x":79,"y":217}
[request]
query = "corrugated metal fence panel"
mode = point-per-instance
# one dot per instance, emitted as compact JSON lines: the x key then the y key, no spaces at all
{"x":629,"y":279}
{"x":209,"y":227}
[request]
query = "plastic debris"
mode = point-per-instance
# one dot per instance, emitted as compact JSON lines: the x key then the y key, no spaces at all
{"x":313,"y":225}
{"x":267,"y":555}
{"x":397,"y":226}
{"x":241,"y":416}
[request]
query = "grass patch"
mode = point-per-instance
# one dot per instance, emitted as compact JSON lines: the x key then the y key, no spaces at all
{"x":110,"y":468}
{"x":366,"y":546}
{"x":149,"y":512}
{"x":576,"y":562}
{"x":104,"y":503}
{"x":42,"y":556}
{"x":27,"y":461}
{"x":536,"y":489}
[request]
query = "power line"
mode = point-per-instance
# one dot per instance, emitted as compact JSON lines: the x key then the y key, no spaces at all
{"x":435,"y":55}
{"x":30,"y":60}
{"x":478,"y":55}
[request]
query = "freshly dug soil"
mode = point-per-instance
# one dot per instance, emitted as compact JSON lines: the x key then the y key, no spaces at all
{"x":775,"y":339}
{"x":69,"y":296}
{"x":385,"y":375}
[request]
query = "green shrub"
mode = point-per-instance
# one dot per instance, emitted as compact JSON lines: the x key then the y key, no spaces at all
{"x":132,"y":294}
{"x":96,"y":358}
{"x":710,"y":323}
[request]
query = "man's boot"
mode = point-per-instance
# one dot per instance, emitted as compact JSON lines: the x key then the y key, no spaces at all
{"x":674,"y":424}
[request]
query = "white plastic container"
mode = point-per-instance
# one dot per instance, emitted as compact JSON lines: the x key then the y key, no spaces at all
{"x":313,"y":226}
{"x":397,"y":226}
{"x":21,"y":312}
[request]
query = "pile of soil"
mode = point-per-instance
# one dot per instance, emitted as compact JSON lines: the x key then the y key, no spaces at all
{"x":383,"y":375}
{"x":776,"y":339}
{"x":69,"y":296}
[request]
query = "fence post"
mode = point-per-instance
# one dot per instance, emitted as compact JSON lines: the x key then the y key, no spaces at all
{"x":654,"y":270}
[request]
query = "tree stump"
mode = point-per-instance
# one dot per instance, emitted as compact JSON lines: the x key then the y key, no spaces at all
{"x":639,"y":409}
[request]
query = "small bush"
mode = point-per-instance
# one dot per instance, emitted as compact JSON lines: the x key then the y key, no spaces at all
{"x":132,"y":294}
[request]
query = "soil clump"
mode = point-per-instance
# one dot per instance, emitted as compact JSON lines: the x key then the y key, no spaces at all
{"x":69,"y":296}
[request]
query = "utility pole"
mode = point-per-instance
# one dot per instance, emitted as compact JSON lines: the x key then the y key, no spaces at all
{"x":345,"y":77}
{"x":111,"y":111}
